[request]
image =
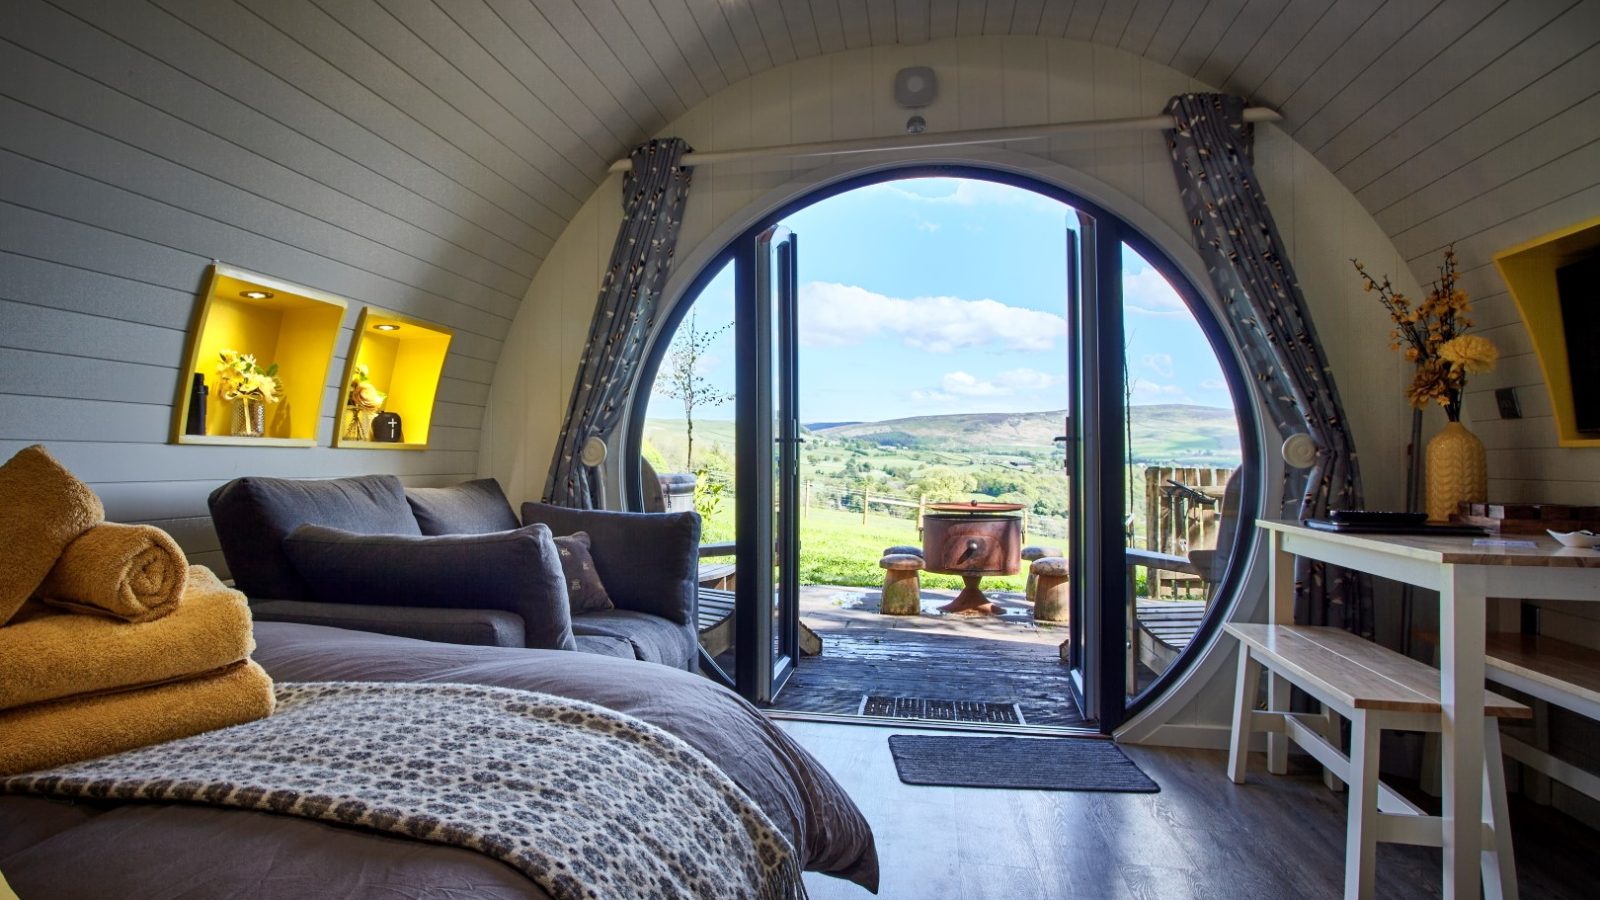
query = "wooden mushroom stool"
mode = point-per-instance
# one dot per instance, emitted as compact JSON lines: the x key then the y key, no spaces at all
{"x":1051,"y":592}
{"x":902,"y":586}
{"x":1030,"y":554}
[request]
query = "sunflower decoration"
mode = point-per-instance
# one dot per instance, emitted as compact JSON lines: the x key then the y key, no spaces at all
{"x":1430,"y":334}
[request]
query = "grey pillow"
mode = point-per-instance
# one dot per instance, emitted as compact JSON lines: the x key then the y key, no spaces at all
{"x":585,"y":592}
{"x":517,"y":571}
{"x":472,"y":507}
{"x":253,"y":516}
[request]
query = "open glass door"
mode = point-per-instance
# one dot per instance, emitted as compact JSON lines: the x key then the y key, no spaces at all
{"x":767,"y":610}
{"x":1094,"y":437}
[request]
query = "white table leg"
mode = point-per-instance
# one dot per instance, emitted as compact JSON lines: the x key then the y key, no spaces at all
{"x":1280,"y":611}
{"x":1461,"y":651}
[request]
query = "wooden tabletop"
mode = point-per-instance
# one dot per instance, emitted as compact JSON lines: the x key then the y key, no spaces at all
{"x":1451,"y":549}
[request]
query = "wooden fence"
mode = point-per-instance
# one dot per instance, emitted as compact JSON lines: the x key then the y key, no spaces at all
{"x":1182,"y":506}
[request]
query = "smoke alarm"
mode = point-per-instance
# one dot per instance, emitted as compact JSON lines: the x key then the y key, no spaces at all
{"x":915,"y":87}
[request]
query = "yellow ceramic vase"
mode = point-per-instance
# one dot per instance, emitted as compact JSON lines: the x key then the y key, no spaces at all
{"x":1457,"y":471}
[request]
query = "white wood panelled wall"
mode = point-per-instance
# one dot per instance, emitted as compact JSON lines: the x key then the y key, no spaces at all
{"x":141,"y":144}
{"x":984,"y":81}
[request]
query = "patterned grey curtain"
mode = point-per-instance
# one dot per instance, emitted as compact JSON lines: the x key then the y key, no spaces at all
{"x":653,"y":197}
{"x":1266,"y":312}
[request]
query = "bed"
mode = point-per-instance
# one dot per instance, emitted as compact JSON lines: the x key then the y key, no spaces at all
{"x":175,"y":850}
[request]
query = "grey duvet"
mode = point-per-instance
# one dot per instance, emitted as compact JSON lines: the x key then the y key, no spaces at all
{"x":51,"y":849}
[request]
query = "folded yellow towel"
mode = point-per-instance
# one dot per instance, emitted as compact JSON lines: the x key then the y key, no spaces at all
{"x":76,"y":728}
{"x":42,"y":508}
{"x":60,"y":654}
{"x":131,"y":572}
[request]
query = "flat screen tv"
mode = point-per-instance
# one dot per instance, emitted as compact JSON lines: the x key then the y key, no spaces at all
{"x":1578,"y":285}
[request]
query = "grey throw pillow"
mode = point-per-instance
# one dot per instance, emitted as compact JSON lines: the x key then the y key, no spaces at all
{"x":517,"y":571}
{"x":585,"y":592}
{"x":472,"y":507}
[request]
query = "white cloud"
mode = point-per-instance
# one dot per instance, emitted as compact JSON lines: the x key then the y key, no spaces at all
{"x":1146,"y":293}
{"x":1213,"y":384}
{"x":973,"y":192}
{"x":927,"y":226}
{"x":963,"y":384}
{"x":1147,"y":391}
{"x":1159,"y":363}
{"x":838,"y":314}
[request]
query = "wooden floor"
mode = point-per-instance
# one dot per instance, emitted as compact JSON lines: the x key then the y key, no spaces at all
{"x":1004,"y":659}
{"x":1275,"y":837}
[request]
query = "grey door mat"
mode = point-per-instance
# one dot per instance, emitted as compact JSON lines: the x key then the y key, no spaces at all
{"x":940,"y":710}
{"x":1045,"y":764}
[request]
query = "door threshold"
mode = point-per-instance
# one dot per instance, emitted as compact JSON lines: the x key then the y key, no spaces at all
{"x":1079,"y":731}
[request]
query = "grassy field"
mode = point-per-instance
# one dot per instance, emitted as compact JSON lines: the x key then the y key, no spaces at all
{"x":835,"y":548}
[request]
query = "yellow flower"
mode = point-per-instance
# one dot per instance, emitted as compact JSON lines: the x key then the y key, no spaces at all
{"x":1470,"y":352}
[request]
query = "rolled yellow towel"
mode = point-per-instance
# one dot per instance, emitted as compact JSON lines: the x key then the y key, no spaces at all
{"x":77,"y":728}
{"x":42,"y":508}
{"x":60,"y":654}
{"x":131,"y":572}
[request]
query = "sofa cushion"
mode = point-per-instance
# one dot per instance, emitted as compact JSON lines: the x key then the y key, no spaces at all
{"x":482,"y":627}
{"x":585,"y":592}
{"x":254,"y":515}
{"x":601,"y":645}
{"x":517,"y":571}
{"x":472,"y":507}
{"x":653,"y":638}
{"x":650,"y":562}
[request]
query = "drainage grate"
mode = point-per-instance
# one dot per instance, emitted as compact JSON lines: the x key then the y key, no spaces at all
{"x":940,"y":710}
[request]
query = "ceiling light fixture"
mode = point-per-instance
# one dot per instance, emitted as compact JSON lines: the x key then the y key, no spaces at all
{"x":386,"y":327}
{"x":255,"y":295}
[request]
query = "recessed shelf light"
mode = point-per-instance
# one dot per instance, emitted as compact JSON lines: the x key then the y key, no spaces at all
{"x":386,"y":327}
{"x":255,"y":295}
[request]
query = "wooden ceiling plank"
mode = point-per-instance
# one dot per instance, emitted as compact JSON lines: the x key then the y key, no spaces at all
{"x":1389,"y":72}
{"x":1237,"y":40}
{"x":942,"y":17}
{"x":802,"y":29}
{"x":1113,"y":24}
{"x":1280,"y":39}
{"x":451,"y":169}
{"x":1143,"y":25}
{"x":197,"y":81}
{"x":1324,"y":40}
{"x":545,"y":142}
{"x":997,"y":16}
{"x":1178,"y":20}
{"x":666,"y":78}
{"x":912,"y":24}
{"x":600,"y":129}
{"x":1558,"y":65}
{"x":566,"y":21}
{"x":742,"y":19}
{"x":1458,"y":62}
{"x":719,"y":37}
{"x":530,"y":27}
{"x":969,"y":17}
{"x":691,"y":42}
{"x":1214,"y":23}
{"x":1084,"y":20}
{"x":775,"y":32}
{"x":407,"y":106}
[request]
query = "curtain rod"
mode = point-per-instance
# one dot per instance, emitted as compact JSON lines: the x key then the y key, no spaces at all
{"x":945,"y":139}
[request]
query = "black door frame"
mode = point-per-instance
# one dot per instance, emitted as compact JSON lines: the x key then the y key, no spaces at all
{"x":1118,"y":708}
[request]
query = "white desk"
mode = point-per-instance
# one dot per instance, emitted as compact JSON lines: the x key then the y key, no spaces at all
{"x":1465,"y":577}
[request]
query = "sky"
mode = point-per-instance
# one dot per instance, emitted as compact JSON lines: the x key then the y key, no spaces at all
{"x":942,"y":295}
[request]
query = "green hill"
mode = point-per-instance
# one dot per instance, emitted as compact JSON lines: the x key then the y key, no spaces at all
{"x":1169,"y":433}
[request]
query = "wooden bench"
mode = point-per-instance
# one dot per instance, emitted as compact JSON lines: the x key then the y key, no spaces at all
{"x":1375,"y":689}
{"x":1551,"y":671}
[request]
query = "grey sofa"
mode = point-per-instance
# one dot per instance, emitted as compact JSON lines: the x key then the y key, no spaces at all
{"x":648,"y":563}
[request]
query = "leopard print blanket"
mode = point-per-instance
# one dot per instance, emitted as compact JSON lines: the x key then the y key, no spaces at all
{"x":586,"y":802}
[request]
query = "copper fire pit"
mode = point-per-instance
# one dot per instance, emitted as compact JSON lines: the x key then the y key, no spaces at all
{"x":972,"y":540}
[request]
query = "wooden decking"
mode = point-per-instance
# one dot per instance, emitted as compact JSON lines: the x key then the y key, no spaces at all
{"x":1004,"y":659}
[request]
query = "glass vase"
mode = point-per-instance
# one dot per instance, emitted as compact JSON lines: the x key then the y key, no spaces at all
{"x":249,"y":417}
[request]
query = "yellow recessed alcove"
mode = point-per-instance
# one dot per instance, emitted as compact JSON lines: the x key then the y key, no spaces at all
{"x":276,"y":322}
{"x":404,"y":358}
{"x":1530,"y":272}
